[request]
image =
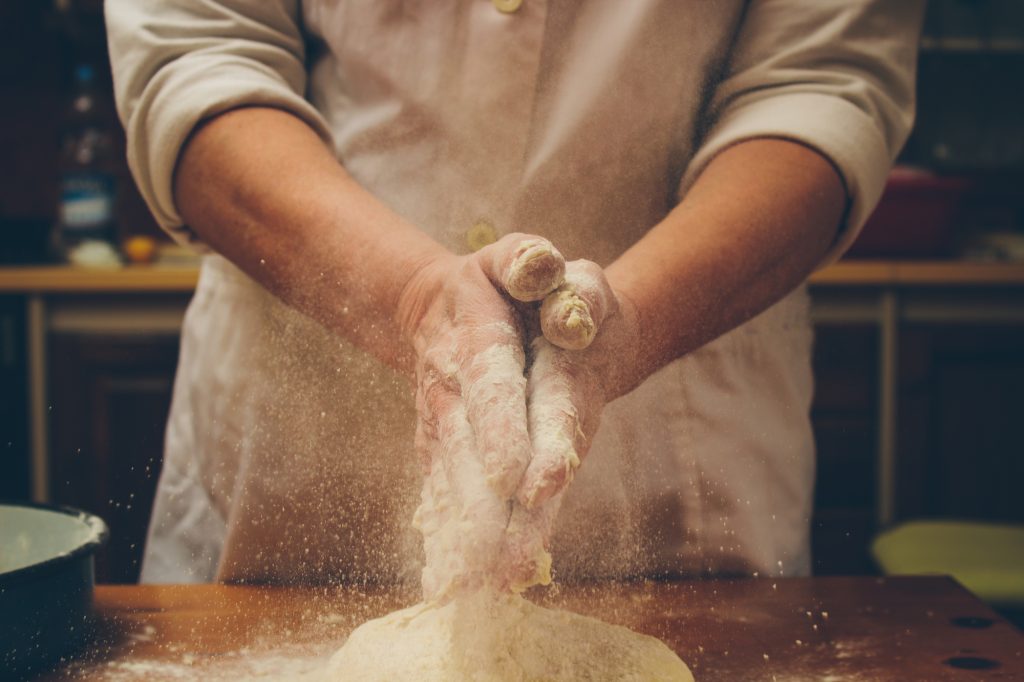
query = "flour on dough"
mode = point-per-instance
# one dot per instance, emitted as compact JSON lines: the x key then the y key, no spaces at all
{"x":486,"y":636}
{"x":480,"y":547}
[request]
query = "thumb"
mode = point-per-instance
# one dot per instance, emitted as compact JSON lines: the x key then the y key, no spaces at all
{"x":571,"y":315}
{"x":525,"y":267}
{"x":558,"y":415}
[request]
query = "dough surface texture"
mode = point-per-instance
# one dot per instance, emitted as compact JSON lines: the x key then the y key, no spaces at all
{"x":488,"y":637}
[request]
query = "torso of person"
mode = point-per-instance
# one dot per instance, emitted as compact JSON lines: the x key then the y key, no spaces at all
{"x":289,"y":452}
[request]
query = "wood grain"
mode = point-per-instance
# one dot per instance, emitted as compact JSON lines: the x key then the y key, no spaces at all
{"x":838,"y":628}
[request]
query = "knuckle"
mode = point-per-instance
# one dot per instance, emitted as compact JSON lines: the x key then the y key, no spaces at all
{"x":513,"y":238}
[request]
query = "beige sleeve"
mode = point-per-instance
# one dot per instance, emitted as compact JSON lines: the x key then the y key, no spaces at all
{"x":177,"y":62}
{"x":835,"y":75}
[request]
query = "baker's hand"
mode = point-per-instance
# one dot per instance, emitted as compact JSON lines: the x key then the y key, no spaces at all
{"x":471,"y":433}
{"x":468,"y":344}
{"x":583,"y":360}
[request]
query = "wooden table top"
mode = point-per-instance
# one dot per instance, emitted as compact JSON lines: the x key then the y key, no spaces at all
{"x":64,"y":279}
{"x":840,"y":629}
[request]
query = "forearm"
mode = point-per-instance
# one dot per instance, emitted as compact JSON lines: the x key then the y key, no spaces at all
{"x":753,"y":226}
{"x":262,"y":189}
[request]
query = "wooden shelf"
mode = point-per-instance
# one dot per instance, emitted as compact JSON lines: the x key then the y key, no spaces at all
{"x":971,"y":45}
{"x":128,"y":279}
{"x":148,"y":278}
{"x":920,"y":273}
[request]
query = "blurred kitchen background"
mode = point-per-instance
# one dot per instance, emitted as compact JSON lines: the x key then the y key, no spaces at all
{"x":920,"y":330}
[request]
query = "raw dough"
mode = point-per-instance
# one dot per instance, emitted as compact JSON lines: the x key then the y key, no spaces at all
{"x":487,"y":637}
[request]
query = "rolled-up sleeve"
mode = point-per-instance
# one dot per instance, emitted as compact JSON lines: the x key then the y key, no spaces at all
{"x":835,"y":75}
{"x":177,"y":62}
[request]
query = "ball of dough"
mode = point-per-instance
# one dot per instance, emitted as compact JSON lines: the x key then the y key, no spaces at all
{"x":487,"y":636}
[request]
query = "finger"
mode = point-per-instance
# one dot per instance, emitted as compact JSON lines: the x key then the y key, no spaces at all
{"x":556,"y":421}
{"x":433,"y":395}
{"x":571,"y":315}
{"x":459,"y":554}
{"x":437,"y":394}
{"x":527,"y":268}
{"x":466,"y":478}
{"x":436,"y":397}
{"x":425,"y":441}
{"x":526,"y":560}
{"x":493,"y":384}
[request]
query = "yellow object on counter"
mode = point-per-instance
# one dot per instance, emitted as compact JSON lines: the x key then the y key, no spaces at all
{"x":139,"y":249}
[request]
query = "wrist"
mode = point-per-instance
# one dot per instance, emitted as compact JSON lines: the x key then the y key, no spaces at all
{"x":632,"y":365}
{"x":423,"y":279}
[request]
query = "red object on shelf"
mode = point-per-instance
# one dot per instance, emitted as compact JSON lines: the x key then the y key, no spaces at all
{"x":915,"y":217}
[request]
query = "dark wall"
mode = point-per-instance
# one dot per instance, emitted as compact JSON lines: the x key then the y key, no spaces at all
{"x":31,"y":63}
{"x":40,"y":46}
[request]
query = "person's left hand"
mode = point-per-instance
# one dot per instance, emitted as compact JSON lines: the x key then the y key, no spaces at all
{"x":584,"y":359}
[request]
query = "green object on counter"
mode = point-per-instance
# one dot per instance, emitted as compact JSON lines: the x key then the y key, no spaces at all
{"x":986,"y":558}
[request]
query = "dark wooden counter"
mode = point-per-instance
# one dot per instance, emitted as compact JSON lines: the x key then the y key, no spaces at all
{"x":840,"y":629}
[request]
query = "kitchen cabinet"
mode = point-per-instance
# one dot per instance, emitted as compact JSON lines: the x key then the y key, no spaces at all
{"x":845,"y":417}
{"x":959,"y":440}
{"x":110,"y":396}
{"x":14,"y":445}
{"x":916,"y":409}
{"x":961,"y":436}
{"x":100,"y":369}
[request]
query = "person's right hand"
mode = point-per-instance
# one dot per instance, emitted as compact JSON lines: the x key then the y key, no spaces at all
{"x":472,"y":432}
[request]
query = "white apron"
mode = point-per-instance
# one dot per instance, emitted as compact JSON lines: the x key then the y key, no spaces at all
{"x":289,"y":456}
{"x":289,"y":452}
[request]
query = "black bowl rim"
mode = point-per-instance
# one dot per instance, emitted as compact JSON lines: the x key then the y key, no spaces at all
{"x":86,"y":548}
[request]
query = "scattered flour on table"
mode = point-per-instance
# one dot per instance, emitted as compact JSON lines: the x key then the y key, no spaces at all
{"x":283,"y":664}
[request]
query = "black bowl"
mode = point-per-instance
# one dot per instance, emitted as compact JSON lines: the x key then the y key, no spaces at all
{"x":46,"y":583}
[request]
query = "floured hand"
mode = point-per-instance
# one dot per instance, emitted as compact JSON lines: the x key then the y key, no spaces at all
{"x":469,"y":347}
{"x":472,"y":431}
{"x":580,"y":363}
